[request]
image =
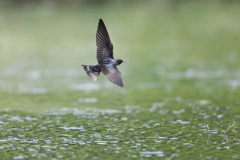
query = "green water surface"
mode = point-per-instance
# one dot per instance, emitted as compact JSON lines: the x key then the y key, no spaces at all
{"x":181,"y":93}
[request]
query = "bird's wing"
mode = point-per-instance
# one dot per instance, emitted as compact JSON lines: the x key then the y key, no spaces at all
{"x":92,"y":72}
{"x":112,"y":74}
{"x":104,"y":45}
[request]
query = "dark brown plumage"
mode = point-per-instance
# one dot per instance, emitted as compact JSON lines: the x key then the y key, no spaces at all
{"x":106,"y":63}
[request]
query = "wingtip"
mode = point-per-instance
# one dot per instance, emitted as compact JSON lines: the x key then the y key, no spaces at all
{"x":100,"y":24}
{"x":100,"y":20}
{"x":120,"y":85}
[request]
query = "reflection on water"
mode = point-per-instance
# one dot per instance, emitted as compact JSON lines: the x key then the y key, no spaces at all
{"x":92,"y":131}
{"x":168,"y":127}
{"x":227,"y":77}
{"x":40,"y":81}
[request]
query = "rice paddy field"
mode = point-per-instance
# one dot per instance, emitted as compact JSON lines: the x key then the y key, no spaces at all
{"x":181,"y":94}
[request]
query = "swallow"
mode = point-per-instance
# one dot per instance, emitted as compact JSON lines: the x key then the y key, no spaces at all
{"x":106,"y":63}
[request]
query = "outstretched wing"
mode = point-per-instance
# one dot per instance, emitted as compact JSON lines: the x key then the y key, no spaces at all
{"x":112,"y":74}
{"x":104,"y":45}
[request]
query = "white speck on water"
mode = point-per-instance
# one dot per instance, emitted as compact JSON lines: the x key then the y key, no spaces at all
{"x":55,"y":114}
{"x":203,"y":102}
{"x":33,"y":150}
{"x":124,"y":118}
{"x":68,"y":128}
{"x":15,"y":118}
{"x":85,"y":86}
{"x":18,"y":157}
{"x":33,"y":141}
{"x":233,"y":83}
{"x":10,"y":71}
{"x":30,"y":119}
{"x":178,"y":99}
{"x":180,"y":121}
{"x":89,"y":112}
{"x":172,"y":156}
{"x":101,"y":142}
{"x":187,"y":144}
{"x":111,"y":111}
{"x":155,"y":106}
{"x":157,"y":153}
{"x":178,"y":112}
{"x":163,"y":111}
{"x":1,"y":122}
{"x":205,"y":117}
{"x":34,"y":74}
{"x":131,"y":129}
{"x":88,"y":100}
{"x":3,"y":140}
{"x":214,"y":132}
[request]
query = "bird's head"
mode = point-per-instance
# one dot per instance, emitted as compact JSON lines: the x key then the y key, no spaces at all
{"x":119,"y":61}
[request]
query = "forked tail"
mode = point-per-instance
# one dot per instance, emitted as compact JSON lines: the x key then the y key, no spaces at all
{"x":92,"y":71}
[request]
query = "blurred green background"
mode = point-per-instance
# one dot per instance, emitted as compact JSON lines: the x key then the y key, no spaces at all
{"x":181,"y":80}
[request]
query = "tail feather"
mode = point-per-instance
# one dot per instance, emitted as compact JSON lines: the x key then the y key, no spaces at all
{"x":92,"y":71}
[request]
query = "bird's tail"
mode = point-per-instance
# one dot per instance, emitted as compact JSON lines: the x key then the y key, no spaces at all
{"x":92,"y":71}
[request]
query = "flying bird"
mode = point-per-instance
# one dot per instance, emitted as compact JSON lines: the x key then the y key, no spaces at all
{"x":106,"y":63}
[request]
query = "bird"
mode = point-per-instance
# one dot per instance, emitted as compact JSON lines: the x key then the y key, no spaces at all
{"x":106,"y":63}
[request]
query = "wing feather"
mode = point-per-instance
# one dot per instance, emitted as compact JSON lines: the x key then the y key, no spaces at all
{"x":103,"y":42}
{"x":112,"y":74}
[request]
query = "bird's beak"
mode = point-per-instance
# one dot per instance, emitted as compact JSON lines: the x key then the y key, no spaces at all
{"x":123,"y":61}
